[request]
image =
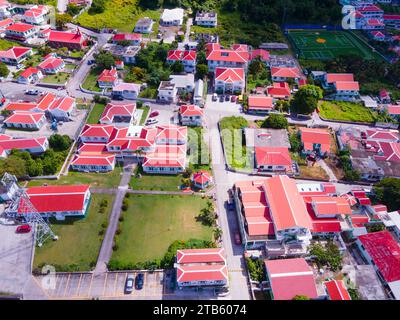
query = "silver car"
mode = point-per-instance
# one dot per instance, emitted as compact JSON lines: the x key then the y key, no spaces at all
{"x":130,"y":279}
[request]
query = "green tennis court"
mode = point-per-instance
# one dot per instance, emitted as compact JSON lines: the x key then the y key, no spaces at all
{"x":325,"y":45}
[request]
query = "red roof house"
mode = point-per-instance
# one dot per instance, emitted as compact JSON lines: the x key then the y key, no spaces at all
{"x":108,"y":78}
{"x":260,"y":104}
{"x":93,"y":163}
{"x":289,"y":278}
{"x":261,"y":54}
{"x":229,"y":80}
{"x":15,"y":55}
{"x":282,"y":74}
{"x":30,"y":75}
{"x":25,"y":120}
{"x":190,"y":115}
{"x":70,"y":40}
{"x":20,"y":31}
{"x":201,"y":179}
{"x":32,"y":145}
{"x":133,"y":38}
{"x":118,"y":114}
{"x":52,"y":65}
{"x":279,"y":90}
{"x":336,"y":290}
{"x":273,"y":159}
{"x":315,"y":140}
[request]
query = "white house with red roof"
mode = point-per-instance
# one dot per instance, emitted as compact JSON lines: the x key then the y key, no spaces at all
{"x":108,"y":78}
{"x":260,"y":104}
{"x":5,"y":23}
{"x":25,"y":120}
{"x":119,"y":114}
{"x":201,"y":268}
{"x":172,"y":134}
{"x":229,"y":80}
{"x":381,"y":250}
{"x":134,"y":39}
{"x":21,"y":31}
{"x":31,"y":145}
{"x":279,"y":91}
{"x":336,"y":290}
{"x":272,"y":159}
{"x":187,"y":58}
{"x":315,"y":140}
{"x":201,"y":179}
{"x":236,"y":57}
{"x":165,"y":159}
{"x":368,"y":16}
{"x":61,"y":109}
{"x":93,"y":162}
{"x":393,"y":110}
{"x":98,"y":133}
{"x":30,"y":75}
{"x":52,"y":65}
{"x":191,"y":115}
{"x":129,"y":91}
{"x":71,"y":40}
{"x":35,"y":15}
{"x":347,"y":90}
{"x":58,"y":201}
{"x":283,"y":74}
{"x":261,"y":54}
{"x":288,"y":278}
{"x":15,"y":55}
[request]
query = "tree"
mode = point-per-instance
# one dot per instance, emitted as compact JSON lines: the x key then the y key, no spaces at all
{"x":217,"y":233}
{"x":275,"y":121}
{"x":282,"y":106}
{"x":73,"y":9}
{"x":98,"y":6}
{"x":295,"y":143}
{"x":300,"y":297}
{"x":305,"y":101}
{"x":328,"y":255}
{"x":4,"y":72}
{"x":13,"y":165}
{"x":59,"y":142}
{"x":387,"y":191}
{"x":201,"y":70}
{"x":62,"y":20}
{"x":105,"y":60}
{"x":177,"y":67}
{"x":34,"y":167}
{"x":256,"y":67}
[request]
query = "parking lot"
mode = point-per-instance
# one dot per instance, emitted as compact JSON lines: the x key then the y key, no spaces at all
{"x":103,"y":286}
{"x":226,"y":106}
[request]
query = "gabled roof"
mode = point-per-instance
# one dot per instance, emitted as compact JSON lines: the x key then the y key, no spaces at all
{"x":260,"y":102}
{"x":285,"y":72}
{"x":29,"y":71}
{"x":229,"y":75}
{"x":291,"y":277}
{"x":273,"y":156}
{"x":208,"y":272}
{"x":20,"y":106}
{"x":385,"y":252}
{"x":286,"y":204}
{"x":190,"y":256}
{"x":331,"y":205}
{"x":25,"y":117}
{"x":113,"y":109}
{"x":334,"y":77}
{"x":93,"y":160}
{"x":14,"y":52}
{"x":45,"y":101}
{"x":336,"y":290}
{"x":66,"y":37}
{"x":92,"y":148}
{"x":20,"y":27}
{"x":23,"y":143}
{"x":311,"y":136}
{"x":108,"y":75}
{"x":97,"y":130}
{"x":190,"y":110}
{"x":51,"y":63}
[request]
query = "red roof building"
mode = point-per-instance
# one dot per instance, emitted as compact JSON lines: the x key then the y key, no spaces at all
{"x":261,"y":54}
{"x":30,"y":75}
{"x":289,"y":278}
{"x":20,"y":31}
{"x":201,"y":267}
{"x":331,"y":78}
{"x":108,"y":78}
{"x":52,"y":65}
{"x":201,"y":179}
{"x":229,"y":80}
{"x":58,"y":201}
{"x":237,"y":57}
{"x":279,"y":90}
{"x":5,"y":23}
{"x":260,"y":104}
{"x":70,"y":40}
{"x":15,"y":55}
{"x":119,"y":114}
{"x":34,"y":145}
{"x":282,"y":74}
{"x":336,"y":290}
{"x":25,"y":120}
{"x":93,"y":163}
{"x":171,"y":134}
{"x":382,"y":251}
{"x":98,"y":133}
{"x":273,"y":159}
{"x":315,"y":140}
{"x":132,"y":38}
{"x":330,"y":206}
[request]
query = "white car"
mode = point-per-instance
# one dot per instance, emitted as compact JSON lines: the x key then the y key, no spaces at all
{"x":151,"y":121}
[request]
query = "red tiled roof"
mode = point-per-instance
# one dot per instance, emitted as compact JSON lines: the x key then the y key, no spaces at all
{"x":20,"y":27}
{"x":259,"y":53}
{"x":114,"y":109}
{"x":29,"y":71}
{"x":92,"y":148}
{"x":285,"y":72}
{"x":23,"y":143}
{"x":229,"y":74}
{"x":171,"y":132}
{"x":25,"y":117}
{"x":97,"y":130}
{"x":260,"y":102}
{"x":393,"y":109}
{"x":210,"y":272}
{"x":279,"y":89}
{"x":214,"y":52}
{"x":311,"y":136}
{"x":98,"y":160}
{"x":331,"y":205}
{"x":273,"y":156}
{"x":190,"y":256}
{"x":385,"y":252}
{"x":127,"y":37}
{"x":291,"y":277}
{"x":58,"y":198}
{"x":347,"y":85}
{"x":190,"y":110}
{"x":6,"y":22}
{"x":382,"y":134}
{"x":336,"y":290}
{"x":51,"y":63}
{"x":14,"y":52}
{"x":201,"y":177}
{"x":20,"y":106}
{"x":334,"y":77}
{"x":108,"y":75}
{"x":65,"y":104}
{"x":66,"y":37}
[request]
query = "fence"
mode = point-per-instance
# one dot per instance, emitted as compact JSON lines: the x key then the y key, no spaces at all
{"x":287,"y":27}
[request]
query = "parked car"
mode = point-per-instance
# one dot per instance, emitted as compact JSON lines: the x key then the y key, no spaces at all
{"x":227,"y":98}
{"x":238,"y":241}
{"x":19,"y":66}
{"x":151,"y":121}
{"x":32,"y":92}
{"x":90,"y":62}
{"x":214,"y":97}
{"x":25,"y":228}
{"x":221,"y":98}
{"x":154,"y":114}
{"x":233,"y":99}
{"x":139,"y":281}
{"x":129,"y":283}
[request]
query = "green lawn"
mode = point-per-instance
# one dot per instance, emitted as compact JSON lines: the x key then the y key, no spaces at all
{"x":6,"y":44}
{"x":200,"y":29}
{"x":146,"y":110}
{"x":96,"y":180}
{"x":152,"y":223}
{"x":95,"y":114}
{"x":79,"y":241}
{"x":90,"y":82}
{"x":156,"y":182}
{"x":60,"y":78}
{"x":346,"y":111}
{"x":70,"y":66}
{"x":77,"y":54}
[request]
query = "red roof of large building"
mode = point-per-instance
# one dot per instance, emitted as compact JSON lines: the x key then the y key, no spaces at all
{"x":14,"y":52}
{"x":66,"y":37}
{"x":190,"y":256}
{"x":331,"y":205}
{"x":171,"y":132}
{"x":127,"y":37}
{"x":279,"y":90}
{"x":207,"y":272}
{"x":260,"y":103}
{"x":97,"y":130}
{"x":93,"y":160}
{"x":311,"y":136}
{"x":273,"y":156}
{"x":336,"y":290}
{"x":20,"y":27}
{"x":285,"y":72}
{"x":57,"y":198}
{"x":180,"y":55}
{"x":51,"y":63}
{"x":25,"y":117}
{"x":108,"y":75}
{"x":190,"y":111}
{"x":347,"y":85}
{"x":113,"y":109}
{"x":384,"y":250}
{"x":291,"y":277}
{"x":214,"y":52}
{"x":229,"y":75}
{"x":23,"y":143}
{"x":334,"y":77}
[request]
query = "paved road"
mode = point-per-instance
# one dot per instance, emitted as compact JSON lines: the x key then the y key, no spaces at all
{"x":62,"y":5}
{"x":107,"y":244}
{"x":189,"y":23}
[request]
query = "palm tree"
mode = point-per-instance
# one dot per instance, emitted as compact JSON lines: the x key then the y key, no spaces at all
{"x":217,"y":233}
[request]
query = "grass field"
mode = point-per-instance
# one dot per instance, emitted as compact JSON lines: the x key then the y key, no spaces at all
{"x":346,"y":111}
{"x":60,"y":77}
{"x":95,"y":114}
{"x":156,"y":182}
{"x":79,"y":240}
{"x":325,"y":45}
{"x":152,"y":223}
{"x":96,"y":180}
{"x":146,"y":110}
{"x":90,"y":82}
{"x":5,"y":44}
